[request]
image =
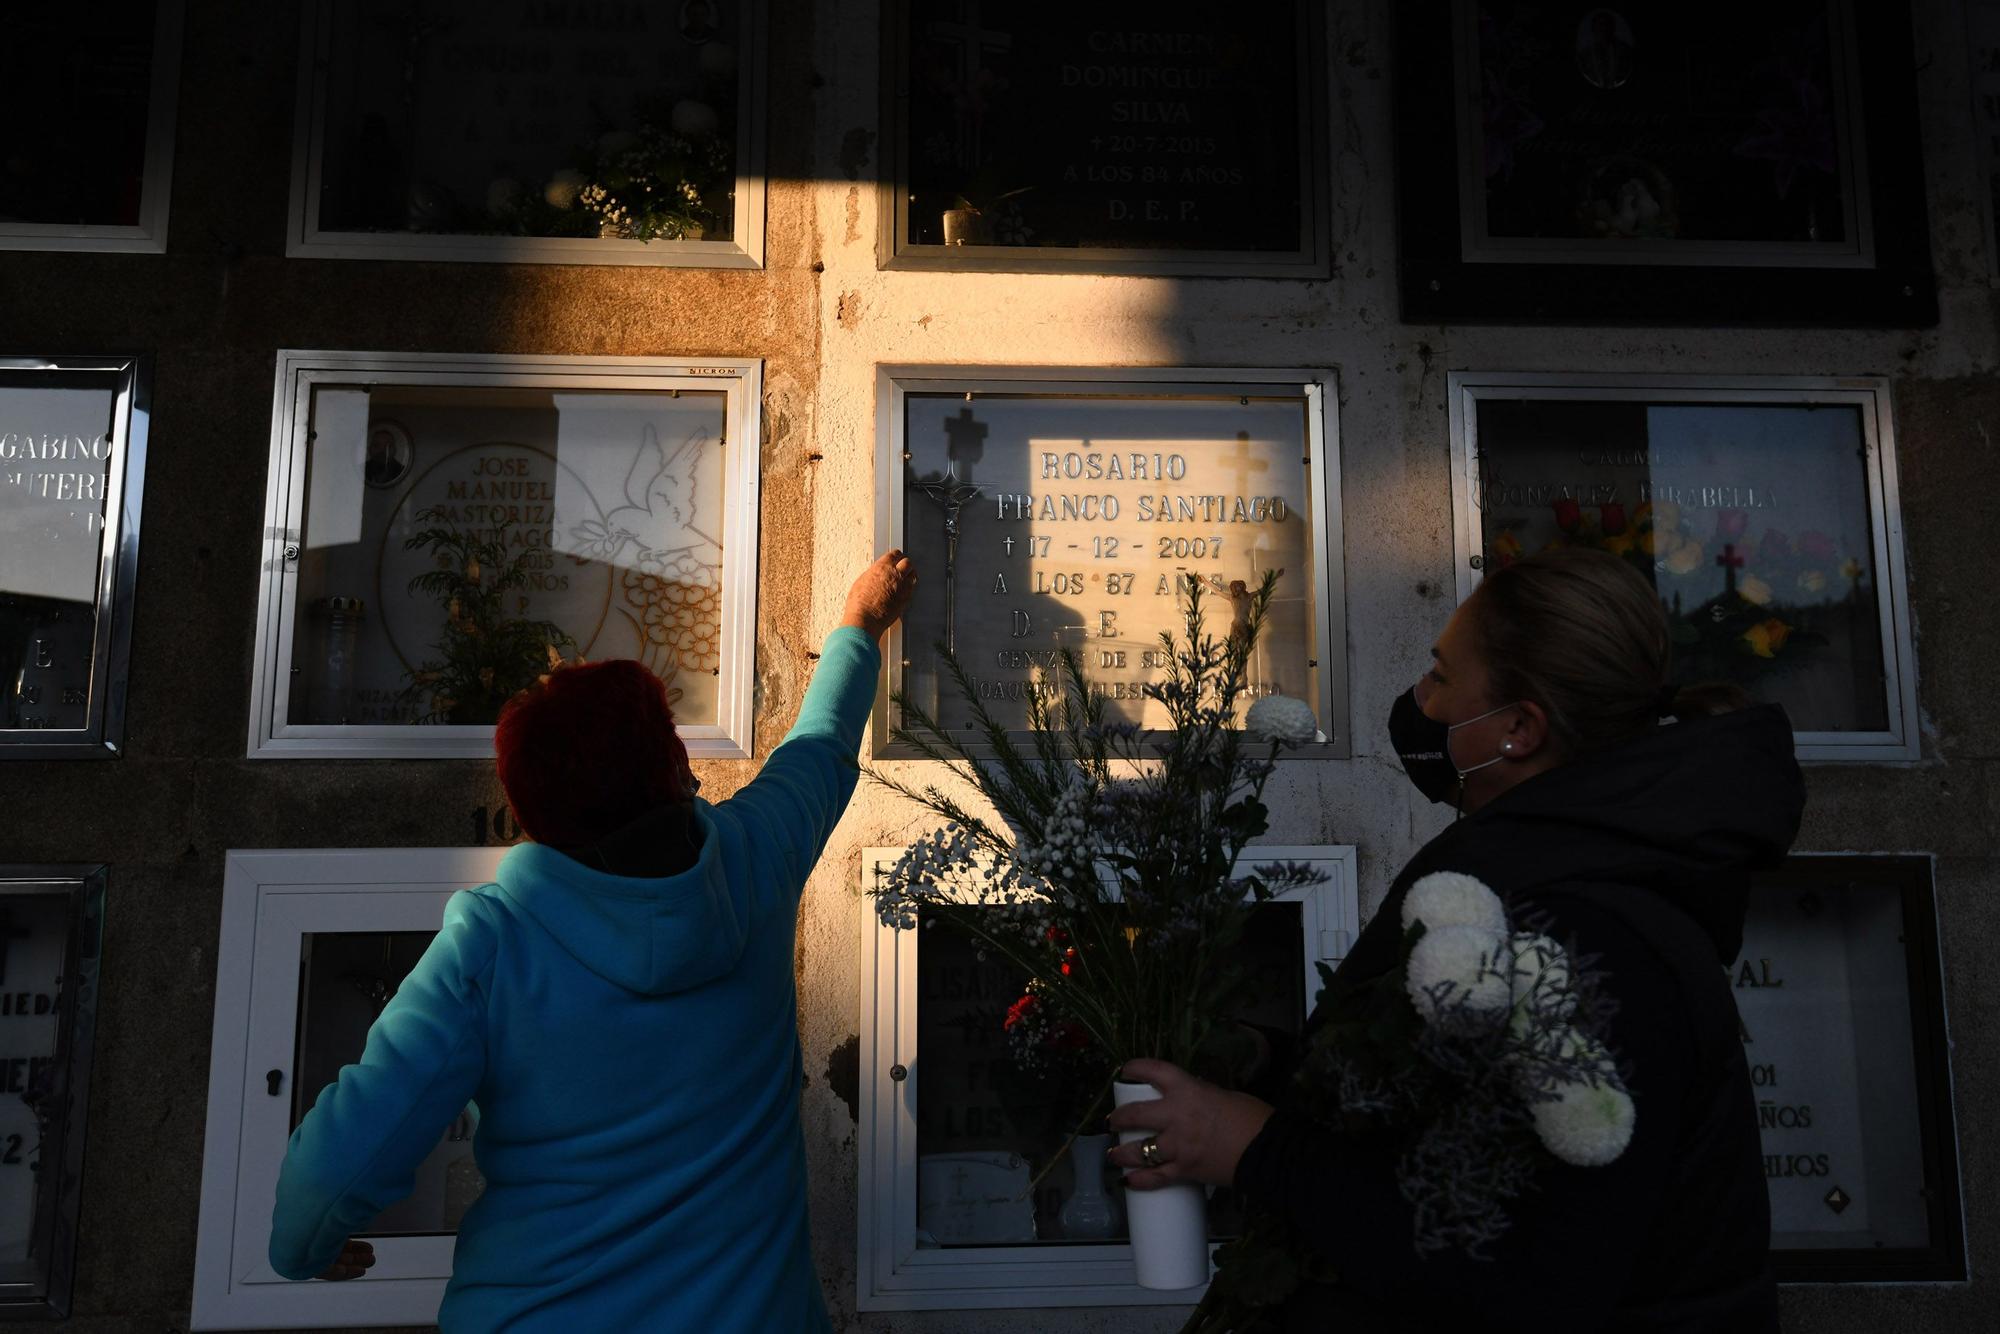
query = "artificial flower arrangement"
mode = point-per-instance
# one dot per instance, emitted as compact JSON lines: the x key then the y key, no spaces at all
{"x":484,"y":657}
{"x":1111,"y":878}
{"x":1481,"y":1053}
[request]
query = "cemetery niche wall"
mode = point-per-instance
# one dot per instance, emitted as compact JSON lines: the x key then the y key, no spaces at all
{"x":72,"y":477}
{"x":531,"y":132}
{"x":1163,"y":138}
{"x":442,"y":529}
{"x":1063,"y":510}
{"x":1763,"y":509}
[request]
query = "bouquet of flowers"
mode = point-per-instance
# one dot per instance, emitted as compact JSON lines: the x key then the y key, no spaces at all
{"x":1482,"y":1052}
{"x":1111,"y":876}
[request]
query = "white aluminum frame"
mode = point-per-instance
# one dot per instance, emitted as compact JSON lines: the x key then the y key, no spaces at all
{"x":1902,"y":742}
{"x":892,"y":1273}
{"x":743,"y":250}
{"x":740,"y":379}
{"x":149,"y":237}
{"x":270,"y":901}
{"x":1319,"y":388}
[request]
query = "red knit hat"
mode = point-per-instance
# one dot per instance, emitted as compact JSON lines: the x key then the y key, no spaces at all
{"x":591,"y":748}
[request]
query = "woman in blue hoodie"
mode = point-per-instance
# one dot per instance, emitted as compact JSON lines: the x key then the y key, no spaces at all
{"x":620,"y":1008}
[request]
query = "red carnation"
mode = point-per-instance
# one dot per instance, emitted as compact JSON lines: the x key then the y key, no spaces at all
{"x":1730,"y":525}
{"x":1021,"y":1011}
{"x":1613,"y":519}
{"x":1568,"y":514}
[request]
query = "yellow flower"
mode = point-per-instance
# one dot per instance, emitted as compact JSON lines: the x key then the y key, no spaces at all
{"x":1665,"y":541}
{"x":1507,"y":547}
{"x":1851,"y":570}
{"x":1685,"y":558}
{"x":1622,"y":544}
{"x":1666,"y":514}
{"x":1812,"y":581}
{"x":1766,"y":637}
{"x":472,"y":570}
{"x":1754,"y":591}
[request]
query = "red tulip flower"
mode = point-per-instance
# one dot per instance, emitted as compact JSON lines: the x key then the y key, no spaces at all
{"x":1613,"y":519}
{"x":1568,"y":515}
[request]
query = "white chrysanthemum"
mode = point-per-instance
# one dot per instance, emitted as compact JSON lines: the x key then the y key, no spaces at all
{"x":563,"y":188}
{"x":1447,"y":898}
{"x":1586,"y":1125}
{"x":1281,"y":718}
{"x":1454,"y":962}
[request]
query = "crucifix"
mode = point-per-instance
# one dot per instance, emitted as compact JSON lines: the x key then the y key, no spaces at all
{"x":965,"y":437}
{"x":1730,"y":563}
{"x":971,"y":41}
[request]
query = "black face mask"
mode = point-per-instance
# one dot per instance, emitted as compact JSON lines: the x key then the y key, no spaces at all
{"x":1420,"y":743}
{"x":1424,"y":746}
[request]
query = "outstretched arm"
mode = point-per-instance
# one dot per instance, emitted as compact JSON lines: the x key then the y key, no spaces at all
{"x":803,"y":788}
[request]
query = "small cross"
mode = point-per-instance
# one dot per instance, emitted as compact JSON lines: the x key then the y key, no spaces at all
{"x":966,"y":436}
{"x":1009,"y":540}
{"x":1245,"y":462}
{"x":8,"y":931}
{"x":1730,"y":563}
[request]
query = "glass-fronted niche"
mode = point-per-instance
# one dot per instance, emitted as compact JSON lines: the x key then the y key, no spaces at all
{"x":531,"y":133}
{"x":90,"y":125}
{"x":1840,"y":993}
{"x":442,"y":529}
{"x":1065,"y":510}
{"x":960,"y":1116}
{"x":72,"y":473}
{"x":1762,"y":509}
{"x":314,"y":945}
{"x":51,"y":927}
{"x":1166,"y":137}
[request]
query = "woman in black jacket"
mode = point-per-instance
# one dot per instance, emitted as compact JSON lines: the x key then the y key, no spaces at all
{"x":1633,"y":839}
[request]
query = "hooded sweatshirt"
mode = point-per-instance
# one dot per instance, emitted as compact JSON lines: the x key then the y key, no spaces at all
{"x":1641,"y":856}
{"x":631,"y":1045}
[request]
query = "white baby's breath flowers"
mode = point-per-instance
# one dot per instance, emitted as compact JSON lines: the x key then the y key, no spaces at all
{"x":563,"y":188}
{"x":1281,"y":718}
{"x":1458,"y":965}
{"x":1448,"y":898}
{"x":1585,"y":1124}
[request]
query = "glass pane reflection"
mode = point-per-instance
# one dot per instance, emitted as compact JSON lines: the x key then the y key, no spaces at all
{"x":346,"y":978}
{"x":454,"y":535}
{"x":1753,"y":522}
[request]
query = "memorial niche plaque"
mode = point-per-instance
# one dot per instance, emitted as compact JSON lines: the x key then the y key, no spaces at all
{"x":453,"y":536}
{"x":1041,"y":136}
{"x":1843,"y":1026}
{"x":50,"y":925}
{"x":1757,"y":515}
{"x":527,"y":129}
{"x":71,"y":464}
{"x":1053,"y":522}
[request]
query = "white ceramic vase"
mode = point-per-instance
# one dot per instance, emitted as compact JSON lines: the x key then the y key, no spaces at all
{"x":1169,"y":1226}
{"x":1091,"y":1212}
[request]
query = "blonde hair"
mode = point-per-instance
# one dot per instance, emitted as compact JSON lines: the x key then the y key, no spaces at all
{"x":1582,"y":634}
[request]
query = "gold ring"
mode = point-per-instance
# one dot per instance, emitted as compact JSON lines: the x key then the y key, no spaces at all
{"x":1149,"y":1151}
